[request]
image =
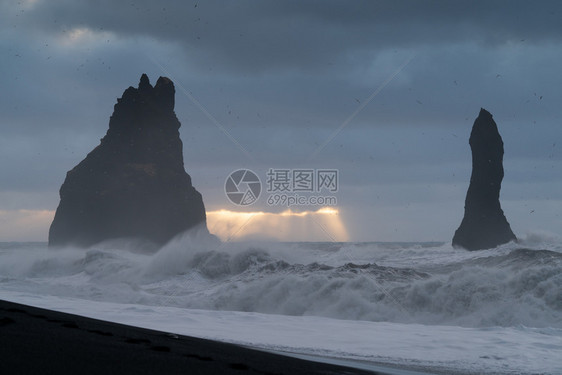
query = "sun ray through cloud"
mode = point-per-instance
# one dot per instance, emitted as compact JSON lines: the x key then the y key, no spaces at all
{"x":283,"y":226}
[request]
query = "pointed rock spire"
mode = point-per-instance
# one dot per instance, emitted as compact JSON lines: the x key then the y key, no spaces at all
{"x":164,"y":91}
{"x":484,"y":224}
{"x":144,"y":83}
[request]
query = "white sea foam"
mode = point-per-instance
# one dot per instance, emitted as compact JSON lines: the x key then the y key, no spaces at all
{"x":514,"y":287}
{"x":430,"y":349}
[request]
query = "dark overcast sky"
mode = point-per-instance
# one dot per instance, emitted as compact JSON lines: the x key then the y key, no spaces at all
{"x":281,"y":77}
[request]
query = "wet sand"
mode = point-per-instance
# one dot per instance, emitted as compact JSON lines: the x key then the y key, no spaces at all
{"x":39,"y":341}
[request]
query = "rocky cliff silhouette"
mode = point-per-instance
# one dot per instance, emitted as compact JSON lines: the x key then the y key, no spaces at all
{"x":484,"y":225}
{"x":133,"y":185}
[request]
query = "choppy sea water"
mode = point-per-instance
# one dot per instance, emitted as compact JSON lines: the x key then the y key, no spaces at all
{"x":427,"y":306}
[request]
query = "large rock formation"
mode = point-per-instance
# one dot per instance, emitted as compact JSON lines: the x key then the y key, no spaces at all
{"x":484,"y":225}
{"x":133,"y":185}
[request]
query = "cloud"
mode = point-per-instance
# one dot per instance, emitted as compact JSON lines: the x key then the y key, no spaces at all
{"x":251,"y":36}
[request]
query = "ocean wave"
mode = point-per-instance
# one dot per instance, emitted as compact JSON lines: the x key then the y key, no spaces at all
{"x":404,"y":283}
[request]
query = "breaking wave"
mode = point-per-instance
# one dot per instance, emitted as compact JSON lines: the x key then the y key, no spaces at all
{"x":428,"y":283}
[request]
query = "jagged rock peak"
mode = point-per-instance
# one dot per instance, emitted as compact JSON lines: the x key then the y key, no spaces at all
{"x":133,"y":185}
{"x":484,"y":113}
{"x":485,"y":128}
{"x":165,"y":92}
{"x":144,"y":83}
{"x":162,"y":94}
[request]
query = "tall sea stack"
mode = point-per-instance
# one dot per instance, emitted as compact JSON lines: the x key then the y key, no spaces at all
{"x":133,"y":185}
{"x":484,"y":225}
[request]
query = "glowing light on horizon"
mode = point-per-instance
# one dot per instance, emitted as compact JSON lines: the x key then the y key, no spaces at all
{"x":324,"y":224}
{"x":25,"y":225}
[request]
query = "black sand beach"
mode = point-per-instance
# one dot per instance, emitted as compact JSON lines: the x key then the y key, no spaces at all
{"x":39,"y":341}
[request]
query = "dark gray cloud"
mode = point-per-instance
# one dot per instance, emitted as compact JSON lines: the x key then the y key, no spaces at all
{"x":271,"y":35}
